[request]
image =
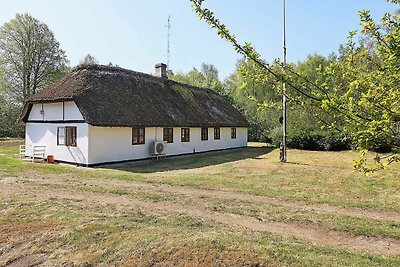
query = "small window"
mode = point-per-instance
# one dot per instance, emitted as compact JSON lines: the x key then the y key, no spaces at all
{"x":217,"y":133}
{"x":60,"y":136}
{"x":70,"y":136}
{"x":204,"y":134}
{"x":66,"y":136}
{"x":233,"y":133}
{"x":185,"y":134}
{"x":168,"y":135}
{"x":138,"y":136}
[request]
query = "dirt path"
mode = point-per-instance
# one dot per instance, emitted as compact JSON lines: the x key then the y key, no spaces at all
{"x":197,"y":193}
{"x":380,"y":246}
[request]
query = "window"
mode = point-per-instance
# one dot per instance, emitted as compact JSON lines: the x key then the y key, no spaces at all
{"x":185,"y":134}
{"x":168,"y":135}
{"x":60,"y":136}
{"x":66,"y":136}
{"x":204,"y":134}
{"x":233,"y":133}
{"x":70,"y":136}
{"x":138,"y":136}
{"x":217,"y":133}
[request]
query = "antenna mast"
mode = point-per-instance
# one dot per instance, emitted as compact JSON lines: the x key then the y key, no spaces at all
{"x":168,"y":51}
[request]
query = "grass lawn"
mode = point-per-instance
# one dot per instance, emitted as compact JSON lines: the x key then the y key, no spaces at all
{"x":10,"y":146}
{"x":230,"y":208}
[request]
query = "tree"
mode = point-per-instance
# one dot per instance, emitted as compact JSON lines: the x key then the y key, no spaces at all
{"x":30,"y":55}
{"x":257,"y":101}
{"x":90,"y":60}
{"x":367,"y":88}
{"x":261,"y":105}
{"x":9,"y":113}
{"x":206,"y":77}
{"x":360,"y":89}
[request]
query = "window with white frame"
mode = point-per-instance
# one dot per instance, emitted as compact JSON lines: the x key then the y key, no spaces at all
{"x":66,"y":136}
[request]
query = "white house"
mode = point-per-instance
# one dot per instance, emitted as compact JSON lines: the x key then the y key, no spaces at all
{"x":101,"y":114}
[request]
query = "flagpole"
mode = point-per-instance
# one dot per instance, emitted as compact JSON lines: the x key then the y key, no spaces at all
{"x":283,"y":156}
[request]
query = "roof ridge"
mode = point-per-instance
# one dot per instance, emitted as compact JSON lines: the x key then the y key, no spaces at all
{"x":100,"y":67}
{"x":118,"y":69}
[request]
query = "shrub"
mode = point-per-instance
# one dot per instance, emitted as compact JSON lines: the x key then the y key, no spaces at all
{"x":9,"y":113}
{"x":312,"y":140}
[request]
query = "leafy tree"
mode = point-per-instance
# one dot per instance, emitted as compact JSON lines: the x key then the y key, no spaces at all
{"x":360,"y":89}
{"x":257,"y":101}
{"x":9,"y":113}
{"x":366,"y":87}
{"x":90,"y":60}
{"x":30,"y":59}
{"x":30,"y":56}
{"x":261,"y":105}
{"x":206,"y":77}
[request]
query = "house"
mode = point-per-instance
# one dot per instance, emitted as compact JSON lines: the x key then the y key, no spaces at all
{"x":101,"y":114}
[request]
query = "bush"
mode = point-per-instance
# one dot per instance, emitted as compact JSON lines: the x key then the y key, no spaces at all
{"x":9,"y":114}
{"x":312,"y":140}
{"x":258,"y":134}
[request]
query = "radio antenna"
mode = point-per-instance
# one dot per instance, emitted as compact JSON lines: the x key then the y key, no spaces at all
{"x":168,"y":41}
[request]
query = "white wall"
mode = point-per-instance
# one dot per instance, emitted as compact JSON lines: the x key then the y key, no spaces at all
{"x":56,"y":115}
{"x":45,"y":134}
{"x":108,"y":144}
{"x":196,"y":144}
{"x":115,"y":144}
{"x":55,"y":112}
{"x":52,"y":111}
{"x":71,"y":111}
{"x":35,"y":112}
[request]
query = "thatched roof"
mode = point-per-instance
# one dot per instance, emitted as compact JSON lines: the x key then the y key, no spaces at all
{"x":112,"y":96}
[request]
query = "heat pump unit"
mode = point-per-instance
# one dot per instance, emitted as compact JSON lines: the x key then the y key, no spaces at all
{"x":160,"y":148}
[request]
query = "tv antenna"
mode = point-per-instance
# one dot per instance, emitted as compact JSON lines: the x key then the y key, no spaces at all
{"x":168,"y":35}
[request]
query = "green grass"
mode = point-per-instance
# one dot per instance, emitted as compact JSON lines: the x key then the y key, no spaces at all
{"x":80,"y":231}
{"x":312,"y":177}
{"x":260,"y":211}
{"x":105,"y":235}
{"x":10,"y":146}
{"x":276,"y":213}
{"x":306,"y":177}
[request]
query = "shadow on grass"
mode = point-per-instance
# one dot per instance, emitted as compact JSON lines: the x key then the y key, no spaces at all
{"x":192,"y":161}
{"x":299,"y":163}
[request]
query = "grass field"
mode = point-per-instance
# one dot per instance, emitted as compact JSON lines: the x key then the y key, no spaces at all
{"x":232,"y":208}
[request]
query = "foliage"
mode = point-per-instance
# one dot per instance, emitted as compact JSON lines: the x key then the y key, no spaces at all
{"x":257,"y":101}
{"x":313,"y":140}
{"x":90,"y":60}
{"x":9,"y":113}
{"x":30,"y":59}
{"x":30,"y":55}
{"x":206,"y":77}
{"x":368,"y":87}
{"x":261,"y":105}
{"x":359,"y":89}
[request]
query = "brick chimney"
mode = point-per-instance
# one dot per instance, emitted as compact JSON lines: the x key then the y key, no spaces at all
{"x":161,"y":70}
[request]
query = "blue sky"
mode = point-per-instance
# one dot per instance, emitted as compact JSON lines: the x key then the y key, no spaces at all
{"x":133,"y":35}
